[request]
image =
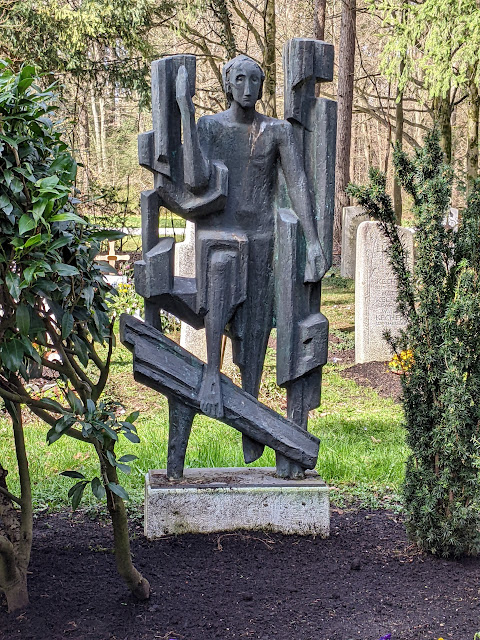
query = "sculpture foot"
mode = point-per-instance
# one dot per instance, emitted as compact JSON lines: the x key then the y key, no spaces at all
{"x":210,"y":395}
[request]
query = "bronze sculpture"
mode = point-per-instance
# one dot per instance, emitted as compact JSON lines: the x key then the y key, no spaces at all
{"x":263,"y":238}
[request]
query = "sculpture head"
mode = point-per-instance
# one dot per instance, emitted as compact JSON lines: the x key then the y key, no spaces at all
{"x":243,"y":81}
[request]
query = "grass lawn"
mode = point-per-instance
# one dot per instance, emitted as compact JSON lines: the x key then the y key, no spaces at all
{"x":362,"y":449}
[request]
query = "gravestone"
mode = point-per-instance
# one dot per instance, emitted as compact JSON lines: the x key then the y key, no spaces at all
{"x":351,"y":219}
{"x":451,"y":219}
{"x":376,"y":292}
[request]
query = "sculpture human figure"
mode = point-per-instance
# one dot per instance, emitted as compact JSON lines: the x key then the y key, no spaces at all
{"x":252,"y":146}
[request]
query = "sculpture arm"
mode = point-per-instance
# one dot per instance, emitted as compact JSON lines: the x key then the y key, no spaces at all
{"x":297,"y":185}
{"x":196,"y":168}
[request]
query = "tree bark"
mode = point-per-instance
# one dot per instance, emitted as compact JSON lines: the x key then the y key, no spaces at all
{"x":13,"y":583}
{"x":103,"y":134}
{"x":222,"y":12}
{"x":319,"y":19}
{"x":399,"y":122}
{"x":96,"y":129}
{"x":346,"y":62}
{"x":472,"y":133}
{"x":16,"y":543}
{"x":269,"y":60}
{"x":137,"y":584}
{"x":442,"y":116}
{"x":319,"y":15}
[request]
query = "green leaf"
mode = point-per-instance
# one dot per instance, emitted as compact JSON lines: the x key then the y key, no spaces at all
{"x":26,"y":224}
{"x":73,"y":474}
{"x":53,"y":436}
{"x":6,"y":205}
{"x":29,"y":273}
{"x":59,"y":242}
{"x":74,"y":402}
{"x":98,"y":489}
{"x":65,"y":269}
{"x":119,"y":490}
{"x":24,"y":84}
{"x":81,"y":349}
{"x":64,"y":423}
{"x":76,"y":493}
{"x":9,"y":141}
{"x":90,"y":406}
{"x":110,"y":432}
{"x":131,"y":436}
{"x":125,"y":468}
{"x":27,"y":72}
{"x":12,"y":354}
{"x":56,"y":406}
{"x":33,"y":241}
{"x":128,"y":458}
{"x":13,"y":284}
{"x":16,"y":185}
{"x":39,"y":207}
{"x":111,"y":458}
{"x":47,"y":183}
{"x":67,"y":324}
{"x":108,"y":234}
{"x":70,"y":217}
{"x":88,"y":294}
{"x":22,"y":317}
{"x":132,"y":417}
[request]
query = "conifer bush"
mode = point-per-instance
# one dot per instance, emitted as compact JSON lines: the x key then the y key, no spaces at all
{"x":440,"y":301}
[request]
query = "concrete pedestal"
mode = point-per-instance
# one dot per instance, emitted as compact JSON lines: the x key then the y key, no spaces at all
{"x":227,"y":499}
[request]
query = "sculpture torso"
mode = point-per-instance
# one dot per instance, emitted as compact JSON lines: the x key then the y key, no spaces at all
{"x":251,"y":153}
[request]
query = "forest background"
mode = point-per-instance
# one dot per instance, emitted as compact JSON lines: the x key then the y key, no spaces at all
{"x":400,"y":67}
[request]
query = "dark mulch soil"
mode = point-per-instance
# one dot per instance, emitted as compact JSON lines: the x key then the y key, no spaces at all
{"x":363,"y":582}
{"x":377,"y":376}
{"x":370,"y":374}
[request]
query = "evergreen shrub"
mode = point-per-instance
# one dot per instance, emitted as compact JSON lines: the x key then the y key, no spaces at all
{"x":440,"y":301}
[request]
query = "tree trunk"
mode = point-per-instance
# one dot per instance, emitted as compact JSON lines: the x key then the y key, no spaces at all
{"x":16,"y":544}
{"x":346,"y":62}
{"x":13,"y":582}
{"x":137,"y":584}
{"x":103,"y":134}
{"x":319,"y":19}
{"x":320,"y":12}
{"x":399,"y":122}
{"x":96,"y":129}
{"x":442,"y":116}
{"x":85,"y":148}
{"x":367,"y":145}
{"x":222,"y":12}
{"x":269,"y":60}
{"x":472,"y":133}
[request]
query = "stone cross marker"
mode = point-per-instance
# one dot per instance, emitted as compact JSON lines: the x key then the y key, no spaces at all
{"x":260,"y":192}
{"x":376,"y":292}
{"x":351,"y":219}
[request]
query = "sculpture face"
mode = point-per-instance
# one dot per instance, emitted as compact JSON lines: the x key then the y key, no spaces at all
{"x":245,"y":82}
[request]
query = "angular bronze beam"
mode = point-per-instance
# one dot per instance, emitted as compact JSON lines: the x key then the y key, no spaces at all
{"x":161,"y":364}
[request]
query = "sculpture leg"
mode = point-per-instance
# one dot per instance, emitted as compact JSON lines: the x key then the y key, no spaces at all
{"x":251,"y":327}
{"x":180,"y":424}
{"x":297,"y":411}
{"x":303,"y":394}
{"x":221,"y":281}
